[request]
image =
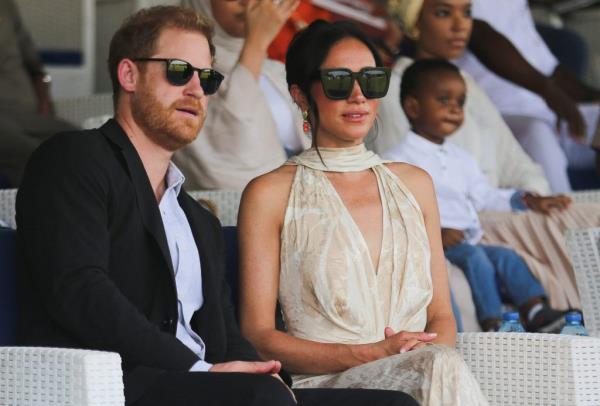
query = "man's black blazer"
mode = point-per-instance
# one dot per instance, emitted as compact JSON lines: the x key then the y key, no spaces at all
{"x":94,"y":265}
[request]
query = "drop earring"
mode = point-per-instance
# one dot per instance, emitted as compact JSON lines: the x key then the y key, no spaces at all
{"x":305,"y":124}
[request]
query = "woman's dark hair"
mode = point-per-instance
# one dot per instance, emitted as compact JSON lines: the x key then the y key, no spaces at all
{"x":308,"y":50}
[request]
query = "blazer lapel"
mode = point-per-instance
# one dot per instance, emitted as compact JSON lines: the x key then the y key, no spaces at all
{"x":143,"y":190}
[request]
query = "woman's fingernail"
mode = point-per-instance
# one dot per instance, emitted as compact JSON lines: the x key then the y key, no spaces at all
{"x":402,"y":351}
{"x":432,"y":334}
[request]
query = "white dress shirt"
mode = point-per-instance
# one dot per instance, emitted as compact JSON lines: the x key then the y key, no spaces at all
{"x":186,"y":263}
{"x":461,"y":188}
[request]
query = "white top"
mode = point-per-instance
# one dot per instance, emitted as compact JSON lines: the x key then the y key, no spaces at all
{"x":186,"y":264}
{"x":512,"y":19}
{"x":460,"y":187}
{"x":282,"y":115}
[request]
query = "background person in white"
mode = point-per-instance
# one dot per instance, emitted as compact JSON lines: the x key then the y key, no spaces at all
{"x":433,"y":94}
{"x":252,"y":124}
{"x":526,"y":113}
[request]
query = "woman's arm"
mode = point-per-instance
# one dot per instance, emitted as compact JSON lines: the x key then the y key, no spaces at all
{"x":440,"y":318}
{"x":264,"y":20}
{"x":259,"y":224}
{"x":494,"y":50}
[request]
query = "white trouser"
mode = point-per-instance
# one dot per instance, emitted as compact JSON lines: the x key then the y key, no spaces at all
{"x":555,"y":150}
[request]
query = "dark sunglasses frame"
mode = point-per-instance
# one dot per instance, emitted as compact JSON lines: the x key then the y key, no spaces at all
{"x":210,"y":79}
{"x":362,"y":76}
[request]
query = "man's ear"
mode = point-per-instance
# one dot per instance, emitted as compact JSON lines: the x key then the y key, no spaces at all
{"x":128,"y":75}
{"x":411,"y":107}
{"x":299,"y":98}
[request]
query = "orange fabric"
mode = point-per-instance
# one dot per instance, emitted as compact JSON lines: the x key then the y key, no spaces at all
{"x":305,"y":14}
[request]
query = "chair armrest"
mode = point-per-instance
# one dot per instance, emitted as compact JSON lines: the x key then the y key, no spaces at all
{"x":60,"y":377}
{"x":527,"y":368}
{"x":586,"y":196}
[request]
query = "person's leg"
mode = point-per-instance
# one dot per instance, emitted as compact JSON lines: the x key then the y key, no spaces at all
{"x":524,"y":290}
{"x":540,"y":140}
{"x":519,"y":283}
{"x":215,"y":389}
{"x":352,"y":397}
{"x":481,"y":275}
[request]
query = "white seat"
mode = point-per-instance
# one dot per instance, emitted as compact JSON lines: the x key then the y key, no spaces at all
{"x":86,"y":111}
{"x":32,"y":376}
{"x":534,"y":369}
{"x":7,"y":207}
{"x":227,"y":203}
{"x":586,"y":196}
{"x":583,"y":247}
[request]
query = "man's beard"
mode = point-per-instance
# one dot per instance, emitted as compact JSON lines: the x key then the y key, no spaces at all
{"x":161,"y":123}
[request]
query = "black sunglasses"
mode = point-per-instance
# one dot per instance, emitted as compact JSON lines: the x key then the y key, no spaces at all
{"x":180,"y":72}
{"x":338,"y":82}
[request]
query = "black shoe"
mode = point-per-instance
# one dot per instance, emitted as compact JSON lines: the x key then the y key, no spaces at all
{"x":547,"y":320}
{"x":490,"y":325}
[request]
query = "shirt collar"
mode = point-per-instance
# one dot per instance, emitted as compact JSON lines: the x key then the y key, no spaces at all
{"x":424,"y":144}
{"x":174,"y":178}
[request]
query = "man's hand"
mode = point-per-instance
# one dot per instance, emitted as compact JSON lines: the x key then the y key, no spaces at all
{"x":452,"y":237}
{"x":250,"y":367}
{"x":546,"y":204}
{"x":403,"y":341}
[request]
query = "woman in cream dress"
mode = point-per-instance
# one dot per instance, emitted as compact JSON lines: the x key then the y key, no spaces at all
{"x":350,"y":246}
{"x":442,"y":30}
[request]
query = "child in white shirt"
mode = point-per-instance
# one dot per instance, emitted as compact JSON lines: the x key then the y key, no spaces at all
{"x":432,"y":94}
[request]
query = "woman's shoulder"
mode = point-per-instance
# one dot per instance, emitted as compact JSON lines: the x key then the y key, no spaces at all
{"x":407,"y":172}
{"x":270,"y":189}
{"x":417,"y":180}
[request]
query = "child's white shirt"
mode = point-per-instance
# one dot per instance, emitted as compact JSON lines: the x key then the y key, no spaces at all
{"x":461,"y":188}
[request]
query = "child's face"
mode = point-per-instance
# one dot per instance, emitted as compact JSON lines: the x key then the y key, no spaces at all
{"x":437,"y":110}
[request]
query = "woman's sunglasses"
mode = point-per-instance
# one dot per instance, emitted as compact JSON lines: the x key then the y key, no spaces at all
{"x":338,"y":82}
{"x":180,"y":72}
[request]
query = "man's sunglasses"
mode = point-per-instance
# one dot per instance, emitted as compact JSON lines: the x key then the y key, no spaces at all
{"x":338,"y":82}
{"x":180,"y":72}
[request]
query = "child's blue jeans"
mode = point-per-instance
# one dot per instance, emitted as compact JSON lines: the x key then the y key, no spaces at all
{"x":485,"y":266}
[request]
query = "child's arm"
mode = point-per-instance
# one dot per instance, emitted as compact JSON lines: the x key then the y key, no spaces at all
{"x":545,"y":204}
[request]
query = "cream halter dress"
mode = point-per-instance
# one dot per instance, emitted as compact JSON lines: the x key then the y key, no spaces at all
{"x":330,"y":292}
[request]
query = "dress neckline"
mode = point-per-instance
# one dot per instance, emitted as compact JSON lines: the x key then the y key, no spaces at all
{"x":349,"y":159}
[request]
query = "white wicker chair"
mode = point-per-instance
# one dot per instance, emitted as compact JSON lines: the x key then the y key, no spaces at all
{"x":226,"y":201}
{"x":586,"y":196}
{"x":60,"y":377}
{"x":534,"y":369}
{"x":7,"y":207}
{"x":512,"y":369}
{"x":583,"y":247}
{"x":86,"y":112}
